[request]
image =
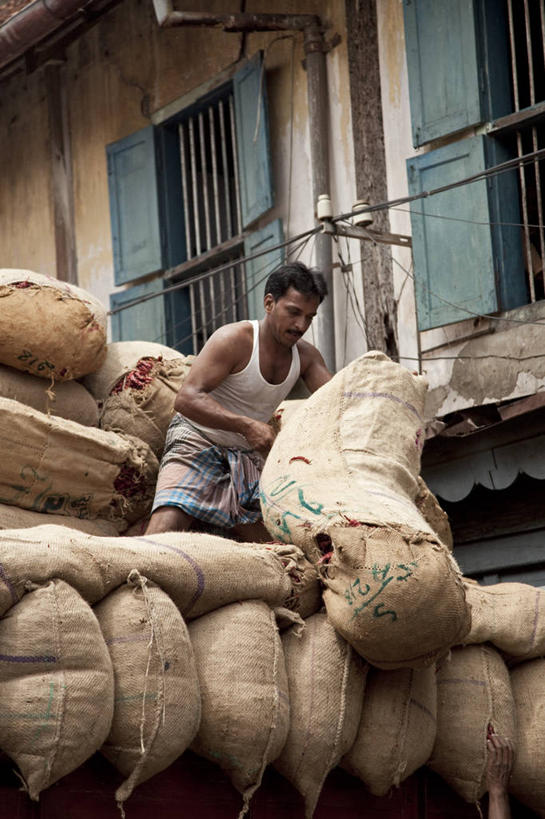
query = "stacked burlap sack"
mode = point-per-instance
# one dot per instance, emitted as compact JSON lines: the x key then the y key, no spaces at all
{"x":341,"y":481}
{"x":55,"y":460}
{"x":196,"y":641}
{"x":166,"y":688}
{"x":136,"y":387}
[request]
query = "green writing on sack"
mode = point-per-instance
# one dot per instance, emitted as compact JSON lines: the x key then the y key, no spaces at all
{"x":361,"y":596}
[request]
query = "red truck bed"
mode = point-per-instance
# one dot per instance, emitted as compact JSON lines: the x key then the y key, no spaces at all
{"x":193,"y":788}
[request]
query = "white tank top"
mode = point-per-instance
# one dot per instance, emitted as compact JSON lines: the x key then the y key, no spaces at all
{"x":247,"y":393}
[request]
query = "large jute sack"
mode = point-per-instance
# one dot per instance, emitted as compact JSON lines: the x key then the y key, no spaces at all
{"x":509,"y":615}
{"x":350,"y":453}
{"x":56,"y":684}
{"x":157,"y":703}
{"x":396,"y":733}
{"x":326,"y":685}
{"x":527,"y":781}
{"x":55,"y":465}
{"x":68,"y":399}
{"x":137,"y":385}
{"x":396,"y":595}
{"x":13,"y":517}
{"x":244,"y":691}
{"x":341,"y":481}
{"x":473,"y":692}
{"x":199,"y":572}
{"x":48,"y":327}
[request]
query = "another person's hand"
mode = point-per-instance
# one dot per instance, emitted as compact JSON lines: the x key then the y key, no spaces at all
{"x":498,"y":771}
{"x":259,"y":435}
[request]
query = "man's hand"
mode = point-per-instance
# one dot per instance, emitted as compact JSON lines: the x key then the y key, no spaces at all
{"x":260,"y":436}
{"x":498,"y":771}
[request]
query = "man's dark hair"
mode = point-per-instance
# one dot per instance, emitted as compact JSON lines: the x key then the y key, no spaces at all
{"x":304,"y":279}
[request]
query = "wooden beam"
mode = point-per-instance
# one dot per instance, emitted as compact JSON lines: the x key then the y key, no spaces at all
{"x":61,"y":173}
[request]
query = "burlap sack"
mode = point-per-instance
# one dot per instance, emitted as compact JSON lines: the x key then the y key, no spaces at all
{"x":397,"y":729}
{"x":326,"y":683}
{"x":527,"y":781}
{"x":395,"y":595}
{"x":157,"y":705}
{"x":54,"y":465}
{"x":350,"y":453}
{"x":56,"y":683}
{"x":509,"y":615}
{"x":431,"y":511}
{"x":341,"y":481}
{"x":244,"y":689}
{"x":13,"y":517}
{"x":67,"y":399}
{"x":122,"y":357}
{"x":284,"y":412}
{"x":50,"y":328}
{"x":199,"y":572}
{"x":140,"y":398}
{"x":473,"y":692}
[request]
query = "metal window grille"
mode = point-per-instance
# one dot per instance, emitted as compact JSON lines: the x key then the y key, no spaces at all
{"x":526,"y":22}
{"x":213,"y":225}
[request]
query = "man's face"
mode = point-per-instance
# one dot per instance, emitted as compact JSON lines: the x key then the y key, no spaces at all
{"x":290,"y":316}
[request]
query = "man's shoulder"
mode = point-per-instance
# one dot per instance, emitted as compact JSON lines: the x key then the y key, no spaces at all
{"x":307,"y":351}
{"x":236,"y":330}
{"x":231,"y":343}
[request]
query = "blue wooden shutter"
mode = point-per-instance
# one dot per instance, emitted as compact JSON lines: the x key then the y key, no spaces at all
{"x":178,"y":321}
{"x":142,"y":322}
{"x":250,"y":93}
{"x":456,"y":261}
{"x":258,"y":270}
{"x":457,"y":60}
{"x":134,"y":205}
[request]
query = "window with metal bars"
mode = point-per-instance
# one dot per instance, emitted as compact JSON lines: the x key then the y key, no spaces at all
{"x":185,"y":196}
{"x":476,"y":76}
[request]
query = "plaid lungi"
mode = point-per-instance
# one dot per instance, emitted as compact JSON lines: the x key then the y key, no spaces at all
{"x":215,"y":484}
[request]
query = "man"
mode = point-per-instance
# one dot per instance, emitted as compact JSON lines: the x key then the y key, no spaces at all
{"x":217,"y":440}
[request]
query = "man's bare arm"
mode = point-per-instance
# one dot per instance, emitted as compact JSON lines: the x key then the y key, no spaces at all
{"x":500,"y":763}
{"x":222,"y":354}
{"x":313,"y":369}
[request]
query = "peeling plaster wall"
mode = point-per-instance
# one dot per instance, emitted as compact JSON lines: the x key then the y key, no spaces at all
{"x":471,"y":362}
{"x":123,"y":71}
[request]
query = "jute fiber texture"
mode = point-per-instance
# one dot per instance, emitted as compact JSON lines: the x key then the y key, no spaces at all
{"x":56,"y":683}
{"x":326,"y":683}
{"x":55,"y":465}
{"x":157,"y":705}
{"x":121,"y":358}
{"x":67,"y":399}
{"x":431,"y":511}
{"x":509,"y":615}
{"x":199,"y":572}
{"x":146,"y":411}
{"x":48,"y":327}
{"x":244,"y":689}
{"x":13,"y":517}
{"x":306,"y":597}
{"x":527,"y":781}
{"x":396,"y":595}
{"x":350,"y":453}
{"x":473,"y":691}
{"x":397,"y":729}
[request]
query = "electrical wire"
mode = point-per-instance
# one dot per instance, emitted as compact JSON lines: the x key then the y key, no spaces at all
{"x":194,"y":279}
{"x":234,"y":263}
{"x":494,"y":170}
{"x":466,"y":221}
